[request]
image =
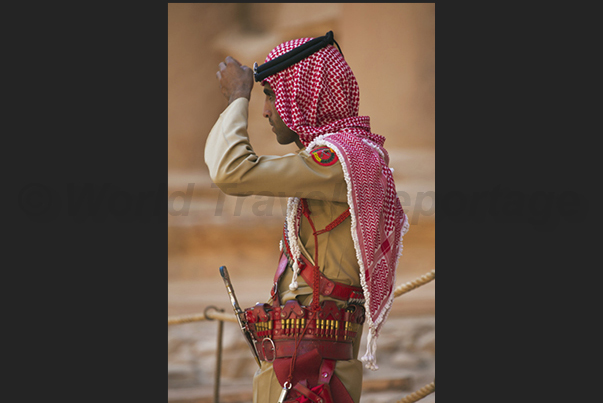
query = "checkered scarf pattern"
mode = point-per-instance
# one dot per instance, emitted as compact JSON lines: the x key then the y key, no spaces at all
{"x":318,"y":98}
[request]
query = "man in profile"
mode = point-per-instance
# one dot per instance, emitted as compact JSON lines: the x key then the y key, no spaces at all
{"x":343,"y":233}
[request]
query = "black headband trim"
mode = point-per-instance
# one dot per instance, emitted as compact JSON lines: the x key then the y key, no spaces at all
{"x":293,"y":56}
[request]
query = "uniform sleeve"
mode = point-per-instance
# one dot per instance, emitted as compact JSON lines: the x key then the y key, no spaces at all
{"x":237,"y":170}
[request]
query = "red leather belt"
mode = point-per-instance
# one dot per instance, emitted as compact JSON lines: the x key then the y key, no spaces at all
{"x":328,"y":287}
{"x":269,"y":350}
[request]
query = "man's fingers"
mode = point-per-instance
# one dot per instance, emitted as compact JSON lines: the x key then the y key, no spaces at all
{"x":230,"y":59}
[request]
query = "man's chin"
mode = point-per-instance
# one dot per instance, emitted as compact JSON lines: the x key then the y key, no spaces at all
{"x":281,"y":141}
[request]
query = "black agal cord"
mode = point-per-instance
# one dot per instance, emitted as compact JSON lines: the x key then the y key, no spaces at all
{"x":293,"y":56}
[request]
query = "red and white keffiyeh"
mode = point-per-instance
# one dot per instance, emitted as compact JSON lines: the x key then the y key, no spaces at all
{"x":318,"y":98}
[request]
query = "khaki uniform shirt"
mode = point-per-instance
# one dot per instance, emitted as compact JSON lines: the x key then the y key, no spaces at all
{"x":237,"y":170}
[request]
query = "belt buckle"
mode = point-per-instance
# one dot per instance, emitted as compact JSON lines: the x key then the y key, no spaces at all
{"x":273,"y":349}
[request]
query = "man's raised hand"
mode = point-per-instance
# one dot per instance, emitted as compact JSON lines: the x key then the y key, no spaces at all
{"x":235,"y":80}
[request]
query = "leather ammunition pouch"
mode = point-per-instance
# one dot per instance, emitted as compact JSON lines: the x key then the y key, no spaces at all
{"x":275,"y":329}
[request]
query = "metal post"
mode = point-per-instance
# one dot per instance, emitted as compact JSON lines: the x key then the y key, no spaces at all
{"x":218,"y":363}
{"x":218,"y":354}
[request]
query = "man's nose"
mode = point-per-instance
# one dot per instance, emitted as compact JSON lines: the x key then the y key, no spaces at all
{"x":266,"y":112}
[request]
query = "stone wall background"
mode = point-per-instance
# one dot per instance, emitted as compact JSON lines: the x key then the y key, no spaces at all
{"x":391,"y":49}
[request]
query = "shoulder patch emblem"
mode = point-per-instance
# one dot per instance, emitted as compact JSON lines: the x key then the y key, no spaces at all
{"x":324,"y":156}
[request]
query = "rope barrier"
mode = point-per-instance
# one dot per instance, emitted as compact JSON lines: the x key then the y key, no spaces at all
{"x":211,"y":315}
{"x":419,"y":394}
{"x":411,"y":285}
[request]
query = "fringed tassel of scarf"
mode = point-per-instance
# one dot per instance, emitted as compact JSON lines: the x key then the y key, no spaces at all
{"x":293,"y":217}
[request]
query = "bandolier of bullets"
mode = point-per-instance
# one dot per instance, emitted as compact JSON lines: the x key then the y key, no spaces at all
{"x":288,"y":321}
